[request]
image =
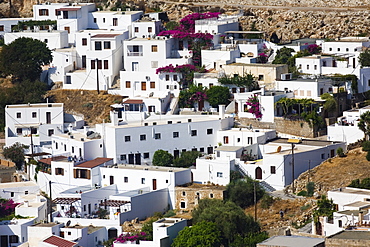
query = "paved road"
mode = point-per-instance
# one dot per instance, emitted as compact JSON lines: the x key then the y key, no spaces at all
{"x":298,"y":8}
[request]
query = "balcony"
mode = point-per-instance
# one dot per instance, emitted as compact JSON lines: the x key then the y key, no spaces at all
{"x":134,"y":54}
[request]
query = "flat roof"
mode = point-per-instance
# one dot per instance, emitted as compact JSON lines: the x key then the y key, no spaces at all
{"x":352,"y":191}
{"x":349,"y":212}
{"x":36,"y":105}
{"x":94,"y":163}
{"x":17,"y":184}
{"x":150,"y":168}
{"x":306,"y":142}
{"x":256,"y":65}
{"x":352,"y":235}
{"x":49,"y":160}
{"x":229,"y":148}
{"x":359,"y":204}
{"x":291,"y":241}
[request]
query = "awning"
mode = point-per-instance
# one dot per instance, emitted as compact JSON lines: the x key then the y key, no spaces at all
{"x":27,"y":125}
{"x":133,"y":101}
{"x":63,"y":200}
{"x":113,"y":203}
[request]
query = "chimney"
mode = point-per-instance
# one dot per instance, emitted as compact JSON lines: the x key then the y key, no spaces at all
{"x":262,"y":90}
{"x":86,"y":129}
{"x":114,"y":118}
{"x":360,"y":218}
{"x":221,"y":111}
{"x":26,"y":204}
{"x":38,"y":198}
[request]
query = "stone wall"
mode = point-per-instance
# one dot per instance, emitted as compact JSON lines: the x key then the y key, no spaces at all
{"x":335,"y":242}
{"x":190,"y":196}
{"x":297,"y":128}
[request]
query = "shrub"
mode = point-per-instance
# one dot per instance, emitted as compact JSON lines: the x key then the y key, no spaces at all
{"x":368,"y":156}
{"x":302,"y":193}
{"x":267,"y":201}
{"x":340,"y":152}
{"x":310,"y":188}
{"x":366,"y":146}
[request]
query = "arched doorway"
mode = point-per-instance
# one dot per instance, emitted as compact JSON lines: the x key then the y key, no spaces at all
{"x":258,"y":173}
{"x":112,"y":233}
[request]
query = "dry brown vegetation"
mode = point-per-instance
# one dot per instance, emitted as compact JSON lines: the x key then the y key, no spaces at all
{"x":92,"y":106}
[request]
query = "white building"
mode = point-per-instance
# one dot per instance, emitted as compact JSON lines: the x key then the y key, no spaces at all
{"x":164,"y":232}
{"x":136,"y":143}
{"x":54,"y":39}
{"x":346,"y":128}
{"x":39,"y":120}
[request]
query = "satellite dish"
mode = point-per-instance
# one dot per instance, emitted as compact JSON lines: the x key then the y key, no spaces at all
{"x":278,"y":149}
{"x":68,"y":223}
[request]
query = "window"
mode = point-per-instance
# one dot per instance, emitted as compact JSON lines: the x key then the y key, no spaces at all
{"x":103,"y":20}
{"x":83,"y":58}
{"x":13,"y":239}
{"x":250,"y":140}
{"x":73,"y":149}
{"x":175,"y":134}
{"x":128,"y":84}
{"x":123,"y":156}
{"x":167,"y":77}
{"x":183,"y":193}
{"x":194,"y":133}
{"x":150,"y":29}
{"x":338,"y":49}
{"x":260,"y":77}
{"x":308,"y":66}
{"x":146,"y":155}
{"x":233,"y":90}
{"x":67,"y":29}
{"x":209,"y":131}
{"x":59,"y":171}
{"x":347,"y":49}
{"x":94,"y":20}
{"x":81,"y":173}
{"x":84,"y":41}
{"x":182,"y":205}
{"x":322,"y":156}
{"x":332,"y":153}
{"x":142,"y":180}
{"x":69,"y":233}
{"x":68,"y":79}
{"x":154,"y":48}
{"x":142,"y":137}
{"x":106,"y":44}
{"x":2,"y":28}
{"x":127,"y":138}
{"x":154,"y":64}
{"x":157,"y":136}
{"x":19,"y":131}
{"x":11,"y":194}
{"x":152,"y":84}
{"x":106,"y":64}
{"x":44,"y":12}
{"x":315,"y":67}
{"x":99,"y":64}
{"x":34,"y":114}
{"x":97,"y":45}
{"x":219,"y":174}
{"x":136,"y":29}
{"x":50,"y":132}
{"x":339,"y":223}
{"x":143,"y":85}
{"x":166,"y":181}
{"x":211,"y":195}
{"x":272,"y":169}
{"x":226,"y":139}
{"x":19,"y":115}
{"x":330,"y":49}
{"x":115,"y":22}
{"x":26,"y":192}
{"x":175,"y":77}
{"x":125,"y":179}
{"x":46,"y":41}
{"x":33,"y":131}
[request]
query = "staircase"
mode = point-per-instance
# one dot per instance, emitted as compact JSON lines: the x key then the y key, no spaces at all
{"x":267,"y":187}
{"x":173,"y":106}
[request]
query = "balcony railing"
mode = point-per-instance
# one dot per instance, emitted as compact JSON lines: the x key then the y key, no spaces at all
{"x":134,"y":54}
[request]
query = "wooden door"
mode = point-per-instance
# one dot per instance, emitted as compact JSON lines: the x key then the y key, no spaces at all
{"x":154,"y":184}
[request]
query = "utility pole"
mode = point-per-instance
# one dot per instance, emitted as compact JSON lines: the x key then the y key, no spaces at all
{"x":97,"y":75}
{"x":309,"y":170}
{"x":293,"y":141}
{"x":50,"y":204}
{"x":255,"y":201}
{"x":32,"y":154}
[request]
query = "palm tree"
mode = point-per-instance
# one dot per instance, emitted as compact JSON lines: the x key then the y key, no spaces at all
{"x":364,"y":124}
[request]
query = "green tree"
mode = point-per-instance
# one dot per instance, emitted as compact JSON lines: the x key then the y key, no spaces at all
{"x":24,"y":57}
{"x":364,"y":58}
{"x":241,"y":192}
{"x":364,"y":124}
{"x":202,"y":234}
{"x":187,"y":159}
{"x":218,"y":95}
{"x":171,"y":25}
{"x":330,"y":104}
{"x":148,"y":227}
{"x":251,"y":240}
{"x":16,"y":154}
{"x":325,"y":207}
{"x":230,"y":219}
{"x":162,"y":158}
{"x":282,"y":55}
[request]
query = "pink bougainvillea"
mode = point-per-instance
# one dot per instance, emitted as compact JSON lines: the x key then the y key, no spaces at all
{"x":123,"y":238}
{"x":254,"y":106}
{"x":7,"y":207}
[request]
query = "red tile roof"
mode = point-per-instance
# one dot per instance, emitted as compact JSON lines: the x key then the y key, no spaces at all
{"x":49,"y":160}
{"x":60,"y":242}
{"x":93,"y":163}
{"x":69,"y":9}
{"x":105,"y":35}
{"x":133,"y":101}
